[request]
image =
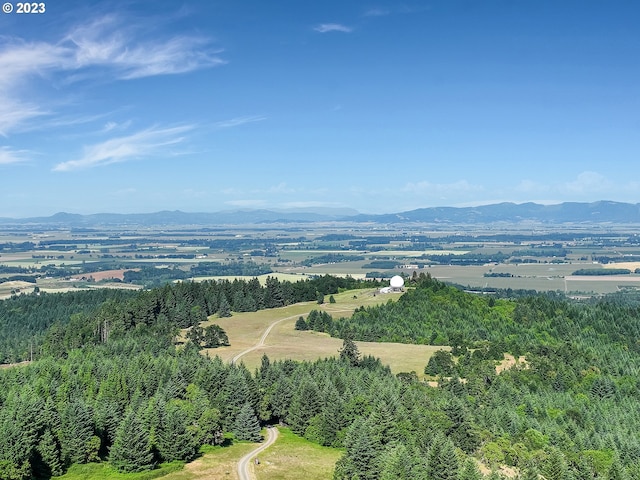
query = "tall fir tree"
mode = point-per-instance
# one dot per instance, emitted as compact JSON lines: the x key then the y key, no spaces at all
{"x":246,"y":426}
{"x":131,"y":450}
{"x":174,"y":439}
{"x":442,"y":460}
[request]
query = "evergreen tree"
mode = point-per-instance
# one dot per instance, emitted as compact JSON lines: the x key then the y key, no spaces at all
{"x":349,"y":352}
{"x":442,"y":460}
{"x":305,"y":404}
{"x":301,"y":324}
{"x":556,"y":466}
{"x":49,"y":451}
{"x":174,"y":440}
{"x":396,"y":463}
{"x":77,"y":432}
{"x":273,"y":295}
{"x":131,"y":450}
{"x":224,"y":309}
{"x":246,"y":426}
{"x":361,"y":458}
{"x":461,"y":432}
{"x":470,"y":470}
{"x":616,"y":471}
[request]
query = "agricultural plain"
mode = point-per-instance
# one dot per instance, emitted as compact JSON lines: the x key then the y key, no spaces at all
{"x":543,"y":258}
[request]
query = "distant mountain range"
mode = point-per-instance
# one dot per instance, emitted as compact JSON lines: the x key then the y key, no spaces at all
{"x":568,"y":212}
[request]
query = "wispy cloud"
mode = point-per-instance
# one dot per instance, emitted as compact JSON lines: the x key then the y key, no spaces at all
{"x":107,"y":47}
{"x":235,"y":122}
{"x":247,"y":203}
{"x":104,"y":42}
{"x":110,"y":126}
{"x":376,"y":12}
{"x":14,"y":114}
{"x":588,"y":183}
{"x":455,"y":188}
{"x":116,"y":150}
{"x":9,"y":156}
{"x":332,"y":27}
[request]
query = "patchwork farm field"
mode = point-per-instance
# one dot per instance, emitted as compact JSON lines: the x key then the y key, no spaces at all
{"x":473,"y":256}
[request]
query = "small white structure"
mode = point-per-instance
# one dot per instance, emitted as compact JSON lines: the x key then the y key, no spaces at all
{"x":397,"y":283}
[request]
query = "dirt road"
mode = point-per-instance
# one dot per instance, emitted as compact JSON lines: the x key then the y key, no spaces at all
{"x":244,"y":470}
{"x":262,"y":339}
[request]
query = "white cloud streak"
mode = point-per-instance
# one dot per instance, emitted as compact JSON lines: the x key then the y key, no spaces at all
{"x":103,"y":43}
{"x":376,"y":12}
{"x":235,"y":122}
{"x":9,"y":156}
{"x":428,"y":188}
{"x":332,"y":27}
{"x":106,"y":47}
{"x":248,"y":203}
{"x":116,"y":150}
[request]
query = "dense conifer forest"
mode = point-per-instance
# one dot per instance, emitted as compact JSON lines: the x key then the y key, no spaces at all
{"x":110,"y":385}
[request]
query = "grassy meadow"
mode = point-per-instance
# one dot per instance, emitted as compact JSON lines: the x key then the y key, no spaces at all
{"x":284,"y":342}
{"x":294,"y":458}
{"x":291,"y":457}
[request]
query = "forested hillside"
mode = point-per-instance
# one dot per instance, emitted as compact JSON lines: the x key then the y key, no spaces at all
{"x":118,"y":390}
{"x":40,"y":324}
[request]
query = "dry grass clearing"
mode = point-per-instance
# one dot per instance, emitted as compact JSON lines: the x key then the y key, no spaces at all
{"x":14,"y":285}
{"x":284,"y":342}
{"x":509,"y":361}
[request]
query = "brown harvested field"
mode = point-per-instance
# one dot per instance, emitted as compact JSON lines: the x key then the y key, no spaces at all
{"x":630,"y":265}
{"x":110,"y":274}
{"x":284,"y":342}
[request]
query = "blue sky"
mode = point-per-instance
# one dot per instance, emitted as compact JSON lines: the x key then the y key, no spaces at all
{"x":140,"y":106}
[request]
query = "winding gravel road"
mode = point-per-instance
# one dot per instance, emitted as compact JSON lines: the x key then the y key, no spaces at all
{"x":244,"y":472}
{"x":262,"y":339}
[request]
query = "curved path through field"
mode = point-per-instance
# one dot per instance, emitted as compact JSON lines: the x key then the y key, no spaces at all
{"x":244,"y":473}
{"x":262,"y":338}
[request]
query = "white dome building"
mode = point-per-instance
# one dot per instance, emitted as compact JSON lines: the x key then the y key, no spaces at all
{"x":397,"y":283}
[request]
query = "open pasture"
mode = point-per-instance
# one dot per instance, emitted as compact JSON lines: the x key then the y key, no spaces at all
{"x":284,"y":342}
{"x":293,"y":458}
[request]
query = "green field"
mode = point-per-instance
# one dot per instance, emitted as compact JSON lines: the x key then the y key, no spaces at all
{"x":294,"y":458}
{"x":102,"y":471}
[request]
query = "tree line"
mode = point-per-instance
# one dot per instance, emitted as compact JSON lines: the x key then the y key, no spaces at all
{"x":44,"y":323}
